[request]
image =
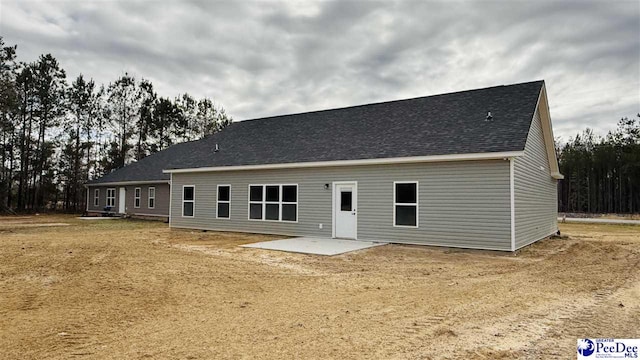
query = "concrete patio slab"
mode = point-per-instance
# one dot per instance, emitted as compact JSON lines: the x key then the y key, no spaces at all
{"x":316,"y":246}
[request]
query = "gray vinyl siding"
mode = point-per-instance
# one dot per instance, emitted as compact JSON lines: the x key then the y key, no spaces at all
{"x":161,"y":204}
{"x":102,"y":198}
{"x":461,"y":204}
{"x":536,"y":209}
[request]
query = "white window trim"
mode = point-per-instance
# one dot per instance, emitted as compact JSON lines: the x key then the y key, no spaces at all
{"x":137,"y":197}
{"x":218,"y":201}
{"x":113,"y":198}
{"x":191,"y":201}
{"x":416,"y":204}
{"x":96,"y":197}
{"x":149,"y":197}
{"x":264,"y":202}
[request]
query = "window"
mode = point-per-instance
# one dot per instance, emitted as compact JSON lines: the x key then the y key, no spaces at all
{"x":223,"y":206}
{"x":346,"y":200}
{"x":273,"y":202}
{"x":255,"y":202}
{"x":188,"y":200}
{"x":405,"y":204}
{"x":151,"y":204}
{"x":111,"y":197}
{"x":289,"y":202}
{"x":136,"y":198}
{"x":96,"y":197}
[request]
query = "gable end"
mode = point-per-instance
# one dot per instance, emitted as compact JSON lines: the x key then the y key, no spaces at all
{"x":542,"y":109}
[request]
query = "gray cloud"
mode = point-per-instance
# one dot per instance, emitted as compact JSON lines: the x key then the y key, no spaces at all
{"x":266,"y":58}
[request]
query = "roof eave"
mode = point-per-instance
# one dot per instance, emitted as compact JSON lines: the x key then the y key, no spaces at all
{"x":547,"y":131}
{"x":122,"y":183}
{"x":383,"y":161}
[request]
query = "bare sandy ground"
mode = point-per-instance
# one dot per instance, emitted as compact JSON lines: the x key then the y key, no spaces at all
{"x":132,"y":289}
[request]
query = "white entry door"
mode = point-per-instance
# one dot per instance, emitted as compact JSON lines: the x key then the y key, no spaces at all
{"x":121,"y":200}
{"x":345,"y":200}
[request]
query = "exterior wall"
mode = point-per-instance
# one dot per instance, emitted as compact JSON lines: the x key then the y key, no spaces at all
{"x":102,"y":199}
{"x":536,"y":203}
{"x":461,"y":204}
{"x":161,"y":203}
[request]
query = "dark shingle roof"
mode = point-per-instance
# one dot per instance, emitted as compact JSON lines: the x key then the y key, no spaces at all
{"x":444,"y":124}
{"x":148,"y":169}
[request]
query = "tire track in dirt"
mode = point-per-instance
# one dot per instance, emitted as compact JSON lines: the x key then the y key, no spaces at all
{"x":76,"y":339}
{"x":525,"y":334}
{"x":28,"y":302}
{"x":606,"y":311}
{"x":263,"y":259}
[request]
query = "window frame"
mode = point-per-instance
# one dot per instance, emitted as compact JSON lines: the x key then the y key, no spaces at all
{"x":149,"y":197}
{"x":271,"y":202}
{"x":253,"y":202}
{"x":218,"y":201}
{"x":416,"y":204}
{"x":113,"y":198}
{"x":191,"y":201}
{"x":280,"y":202}
{"x":137,"y":196}
{"x":96,"y":197}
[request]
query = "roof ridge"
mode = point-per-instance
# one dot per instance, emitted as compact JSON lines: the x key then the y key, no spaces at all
{"x":384,"y":102}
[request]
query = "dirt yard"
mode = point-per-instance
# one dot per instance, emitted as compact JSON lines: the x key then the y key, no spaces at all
{"x":118,"y":289}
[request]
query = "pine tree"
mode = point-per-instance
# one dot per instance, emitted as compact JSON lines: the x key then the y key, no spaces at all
{"x":123,"y":111}
{"x":8,"y":111}
{"x":50,"y":89}
{"x":148,"y":100}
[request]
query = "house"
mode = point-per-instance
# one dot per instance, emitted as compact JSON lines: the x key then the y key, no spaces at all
{"x":471,"y":169}
{"x":140,"y":189}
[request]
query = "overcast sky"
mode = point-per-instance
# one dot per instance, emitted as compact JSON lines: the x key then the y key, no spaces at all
{"x":267,"y":58}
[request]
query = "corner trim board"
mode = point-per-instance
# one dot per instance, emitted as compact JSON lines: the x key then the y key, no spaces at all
{"x":513,"y":202}
{"x":170,"y":197}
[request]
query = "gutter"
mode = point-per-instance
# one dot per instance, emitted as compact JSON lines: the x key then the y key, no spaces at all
{"x":123,"y":183}
{"x":385,"y":161}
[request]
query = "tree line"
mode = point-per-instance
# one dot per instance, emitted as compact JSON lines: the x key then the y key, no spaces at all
{"x":57,"y":135}
{"x":601,"y":174}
